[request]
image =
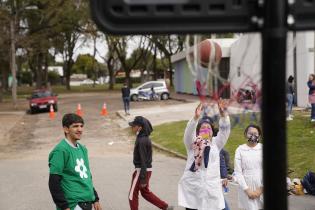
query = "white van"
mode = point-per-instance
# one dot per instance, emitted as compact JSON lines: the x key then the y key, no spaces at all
{"x":160,"y":88}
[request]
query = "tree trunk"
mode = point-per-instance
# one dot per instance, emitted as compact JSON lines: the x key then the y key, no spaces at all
{"x":128,"y":80}
{"x":45,"y":72}
{"x":68,"y":73}
{"x":154,"y":64}
{"x":111,"y":75}
{"x":39,"y":72}
{"x":170,"y":66}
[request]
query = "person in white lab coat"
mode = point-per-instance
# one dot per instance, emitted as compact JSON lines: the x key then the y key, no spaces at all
{"x":200,"y":187}
{"x":248,"y":170}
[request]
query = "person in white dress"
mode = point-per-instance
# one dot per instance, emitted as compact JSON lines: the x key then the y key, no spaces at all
{"x":200,"y":187}
{"x":248,"y":170}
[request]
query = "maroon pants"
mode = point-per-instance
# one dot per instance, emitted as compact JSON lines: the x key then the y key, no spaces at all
{"x":145,"y":192}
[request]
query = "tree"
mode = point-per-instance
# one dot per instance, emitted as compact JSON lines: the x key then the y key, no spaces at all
{"x":84,"y":65}
{"x":168,"y":45}
{"x":121,"y":46}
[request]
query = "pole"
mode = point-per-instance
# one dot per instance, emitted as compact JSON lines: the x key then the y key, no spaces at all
{"x":274,"y":35}
{"x":13,"y":61}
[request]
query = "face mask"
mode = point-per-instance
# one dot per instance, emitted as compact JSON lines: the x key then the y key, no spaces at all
{"x":205,"y":133}
{"x":252,"y":138}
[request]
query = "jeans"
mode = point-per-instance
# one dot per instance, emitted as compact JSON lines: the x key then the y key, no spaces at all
{"x":226,"y":205}
{"x":126,"y":104}
{"x":290,"y":104}
{"x":313,"y":112}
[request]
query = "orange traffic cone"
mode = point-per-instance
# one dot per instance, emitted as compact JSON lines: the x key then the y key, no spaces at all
{"x":104,"y":110}
{"x":51,"y":112}
{"x":79,"y":110}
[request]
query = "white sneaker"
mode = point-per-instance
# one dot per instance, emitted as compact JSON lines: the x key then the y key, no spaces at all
{"x":289,"y":118}
{"x":291,"y":115}
{"x":312,"y":120}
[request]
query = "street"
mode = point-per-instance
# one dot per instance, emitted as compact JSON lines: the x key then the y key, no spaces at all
{"x":26,"y":140}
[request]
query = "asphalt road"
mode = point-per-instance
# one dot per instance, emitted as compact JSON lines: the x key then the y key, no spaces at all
{"x":26,"y":141}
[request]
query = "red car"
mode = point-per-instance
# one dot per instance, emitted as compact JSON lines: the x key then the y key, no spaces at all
{"x":42,"y":99}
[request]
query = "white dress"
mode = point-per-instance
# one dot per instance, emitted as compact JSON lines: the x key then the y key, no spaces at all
{"x":202,"y":189}
{"x":248,"y":173}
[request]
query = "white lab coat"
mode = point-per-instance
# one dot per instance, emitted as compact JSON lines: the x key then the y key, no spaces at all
{"x":248,"y":173}
{"x":202,"y":189}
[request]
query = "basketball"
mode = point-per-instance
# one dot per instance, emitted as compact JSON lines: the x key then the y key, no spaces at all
{"x":205,"y":51}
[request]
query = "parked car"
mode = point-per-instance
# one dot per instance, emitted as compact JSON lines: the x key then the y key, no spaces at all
{"x":159,"y":86}
{"x":42,"y":99}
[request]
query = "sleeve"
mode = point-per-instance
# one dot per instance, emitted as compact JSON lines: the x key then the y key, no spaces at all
{"x":223,"y":168}
{"x":224,"y":132}
{"x":190,"y":133}
{"x":56,"y":191}
{"x":238,"y":170}
{"x":143,"y":170}
{"x":96,"y":196}
{"x":56,"y":162}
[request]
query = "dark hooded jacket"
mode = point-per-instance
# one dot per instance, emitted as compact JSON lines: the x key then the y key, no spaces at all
{"x":142,"y":154}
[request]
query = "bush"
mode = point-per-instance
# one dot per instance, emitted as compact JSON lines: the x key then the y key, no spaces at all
{"x":26,"y":77}
{"x":123,"y":80}
{"x":53,"y":78}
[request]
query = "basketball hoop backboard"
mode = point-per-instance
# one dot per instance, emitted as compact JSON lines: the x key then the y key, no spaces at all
{"x":174,"y":16}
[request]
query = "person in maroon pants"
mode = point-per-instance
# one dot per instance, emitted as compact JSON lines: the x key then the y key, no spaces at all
{"x":142,"y":159}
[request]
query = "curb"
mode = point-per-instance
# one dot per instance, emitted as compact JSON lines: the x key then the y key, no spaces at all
{"x":170,"y":152}
{"x":159,"y":147}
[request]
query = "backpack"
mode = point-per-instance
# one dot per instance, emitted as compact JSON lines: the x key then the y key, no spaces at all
{"x":308,"y":182}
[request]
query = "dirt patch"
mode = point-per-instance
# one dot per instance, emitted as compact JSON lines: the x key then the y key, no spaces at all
{"x":19,"y":137}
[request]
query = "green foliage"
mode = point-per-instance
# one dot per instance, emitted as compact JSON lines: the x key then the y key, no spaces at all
{"x":26,"y":77}
{"x":53,"y":78}
{"x":122,"y":80}
{"x":84,"y":65}
{"x":300,"y":142}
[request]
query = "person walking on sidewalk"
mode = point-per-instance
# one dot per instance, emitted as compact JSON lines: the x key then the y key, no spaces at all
{"x":200,"y":187}
{"x":70,"y":179}
{"x":311,"y":95}
{"x":125,"y":91}
{"x":290,"y":97}
{"x":248,"y":170}
{"x":142,"y":160}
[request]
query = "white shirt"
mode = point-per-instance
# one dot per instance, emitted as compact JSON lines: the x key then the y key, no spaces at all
{"x":202,"y":189}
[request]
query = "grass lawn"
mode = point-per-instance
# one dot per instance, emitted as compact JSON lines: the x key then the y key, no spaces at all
{"x":301,"y":141}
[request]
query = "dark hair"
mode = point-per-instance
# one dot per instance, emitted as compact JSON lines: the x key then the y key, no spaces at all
{"x":71,"y":118}
{"x":208,"y":120}
{"x":290,"y":79}
{"x":253,"y":126}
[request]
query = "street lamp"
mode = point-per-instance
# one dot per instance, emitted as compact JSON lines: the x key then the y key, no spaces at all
{"x":13,"y":65}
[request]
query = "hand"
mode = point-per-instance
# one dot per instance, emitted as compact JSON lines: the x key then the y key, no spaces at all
{"x":97,"y":205}
{"x":258,"y":192}
{"x":143,"y":185}
{"x":198,"y":111}
{"x":225,"y":182}
{"x":251,"y":194}
{"x":67,"y":209}
{"x":222,"y":105}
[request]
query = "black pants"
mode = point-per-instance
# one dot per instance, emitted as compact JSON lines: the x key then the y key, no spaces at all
{"x":190,"y":209}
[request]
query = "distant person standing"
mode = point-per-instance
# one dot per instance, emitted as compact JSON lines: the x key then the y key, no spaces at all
{"x":311,"y":95}
{"x":290,"y":97}
{"x":125,"y":91}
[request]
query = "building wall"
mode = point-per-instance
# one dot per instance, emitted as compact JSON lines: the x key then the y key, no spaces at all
{"x":305,"y":65}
